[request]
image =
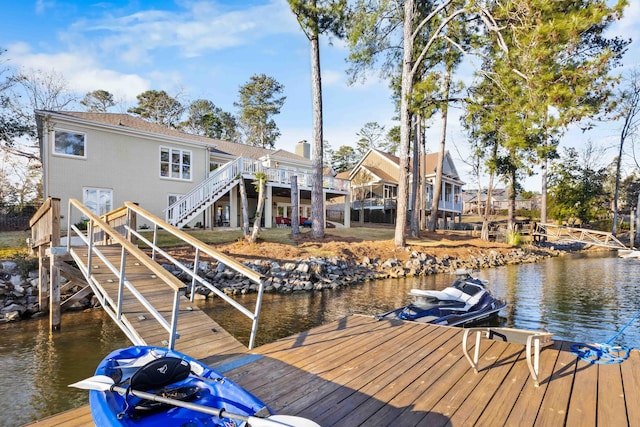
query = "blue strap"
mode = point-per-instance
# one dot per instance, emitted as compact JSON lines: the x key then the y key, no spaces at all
{"x":604,"y":353}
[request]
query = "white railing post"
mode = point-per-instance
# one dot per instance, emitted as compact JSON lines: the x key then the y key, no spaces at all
{"x":123,"y":258}
{"x":195,"y":273}
{"x":174,"y":320}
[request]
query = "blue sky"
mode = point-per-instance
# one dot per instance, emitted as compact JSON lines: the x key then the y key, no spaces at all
{"x":208,"y":49}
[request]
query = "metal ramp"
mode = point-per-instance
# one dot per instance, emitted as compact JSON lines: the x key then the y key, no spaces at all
{"x":580,"y":235}
{"x":145,"y":300}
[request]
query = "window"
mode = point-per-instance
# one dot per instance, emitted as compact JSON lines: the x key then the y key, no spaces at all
{"x":69,"y":143}
{"x":98,"y":200}
{"x":390,"y":191}
{"x":172,"y":198}
{"x":214,"y":165}
{"x":175,"y":163}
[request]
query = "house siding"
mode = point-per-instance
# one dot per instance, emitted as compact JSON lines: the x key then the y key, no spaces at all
{"x":375,"y":160}
{"x":126,"y":164}
{"x":122,"y":154}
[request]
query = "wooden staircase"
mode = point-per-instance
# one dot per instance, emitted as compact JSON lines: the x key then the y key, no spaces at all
{"x":205,"y":194}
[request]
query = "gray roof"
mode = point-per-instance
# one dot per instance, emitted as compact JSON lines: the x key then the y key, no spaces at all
{"x":217,"y":146}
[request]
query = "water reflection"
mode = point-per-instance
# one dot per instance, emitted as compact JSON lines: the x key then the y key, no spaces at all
{"x":583,"y":298}
{"x":282,"y":316}
{"x":36,"y":367}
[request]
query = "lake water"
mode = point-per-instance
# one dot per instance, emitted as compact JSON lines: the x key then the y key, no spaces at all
{"x":583,"y":298}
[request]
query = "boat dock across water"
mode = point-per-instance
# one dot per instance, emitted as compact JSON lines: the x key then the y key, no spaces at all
{"x":359,"y":371}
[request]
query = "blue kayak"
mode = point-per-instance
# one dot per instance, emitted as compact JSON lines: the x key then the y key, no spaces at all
{"x":171,"y":375}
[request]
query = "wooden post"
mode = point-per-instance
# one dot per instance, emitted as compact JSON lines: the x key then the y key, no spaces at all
{"x":132,"y":220}
{"x":54,"y":294}
{"x":632,"y":233}
{"x":295,"y":216}
{"x":43,"y":280}
{"x":55,"y":222}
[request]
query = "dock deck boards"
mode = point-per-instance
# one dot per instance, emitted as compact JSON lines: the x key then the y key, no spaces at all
{"x":358,"y":371}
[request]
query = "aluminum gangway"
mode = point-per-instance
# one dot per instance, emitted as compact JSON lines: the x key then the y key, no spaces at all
{"x":581,"y":235}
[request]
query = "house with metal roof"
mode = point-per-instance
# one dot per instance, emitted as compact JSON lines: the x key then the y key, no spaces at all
{"x":105,"y":159}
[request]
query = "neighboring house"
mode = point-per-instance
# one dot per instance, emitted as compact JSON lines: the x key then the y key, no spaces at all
{"x":105,"y":159}
{"x":374,"y":185}
{"x":499,"y":201}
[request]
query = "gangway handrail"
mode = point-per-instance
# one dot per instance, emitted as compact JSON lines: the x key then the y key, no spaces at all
{"x":576,"y":234}
{"x":200,"y":248}
{"x":114,"y":309}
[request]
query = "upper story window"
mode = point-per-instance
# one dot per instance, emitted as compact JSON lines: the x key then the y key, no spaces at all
{"x":68,"y":143}
{"x":175,"y":163}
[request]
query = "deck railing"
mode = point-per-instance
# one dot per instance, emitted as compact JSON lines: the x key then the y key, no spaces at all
{"x":204,"y":192}
{"x":221,"y":179}
{"x":574,"y":234}
{"x":390,"y":203}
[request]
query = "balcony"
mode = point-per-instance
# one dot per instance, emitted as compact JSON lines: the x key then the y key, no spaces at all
{"x":283,"y":176}
{"x":388,"y":204}
{"x":374,"y":203}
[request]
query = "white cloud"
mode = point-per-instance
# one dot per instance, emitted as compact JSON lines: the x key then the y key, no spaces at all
{"x":201,"y":27}
{"x":332,"y":77}
{"x":80,"y":70}
{"x":43,"y":5}
{"x":628,"y":25}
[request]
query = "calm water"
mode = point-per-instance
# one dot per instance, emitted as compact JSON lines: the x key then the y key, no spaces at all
{"x":584,"y":298}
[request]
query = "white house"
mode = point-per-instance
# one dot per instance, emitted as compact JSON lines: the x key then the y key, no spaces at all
{"x":105,"y":159}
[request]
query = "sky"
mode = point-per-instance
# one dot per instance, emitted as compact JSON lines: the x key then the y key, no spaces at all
{"x":209,"y":49}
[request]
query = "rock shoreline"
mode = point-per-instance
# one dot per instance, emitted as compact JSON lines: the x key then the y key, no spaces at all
{"x":19,"y":291}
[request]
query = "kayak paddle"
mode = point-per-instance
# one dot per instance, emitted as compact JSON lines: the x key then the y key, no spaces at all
{"x":105,"y":383}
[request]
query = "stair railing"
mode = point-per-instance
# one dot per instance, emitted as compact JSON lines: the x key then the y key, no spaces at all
{"x":195,"y":198}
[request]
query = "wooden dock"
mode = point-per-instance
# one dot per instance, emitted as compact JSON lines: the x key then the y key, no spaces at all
{"x":358,"y":371}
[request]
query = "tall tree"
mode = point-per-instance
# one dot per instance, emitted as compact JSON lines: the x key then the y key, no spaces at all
{"x":344,"y":159}
{"x":437,"y":87}
{"x":576,"y":186}
{"x":158,"y":106}
{"x":629,"y":107}
{"x":392,"y":141}
{"x":98,"y":101}
{"x":12,"y":125}
{"x":318,"y":17}
{"x":261,"y":187}
{"x":553,"y":62}
{"x":204,"y":118}
{"x":406,"y":32}
{"x":371,"y":136}
{"x":483,"y":123}
{"x":37,"y":90}
{"x":259,"y":101}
